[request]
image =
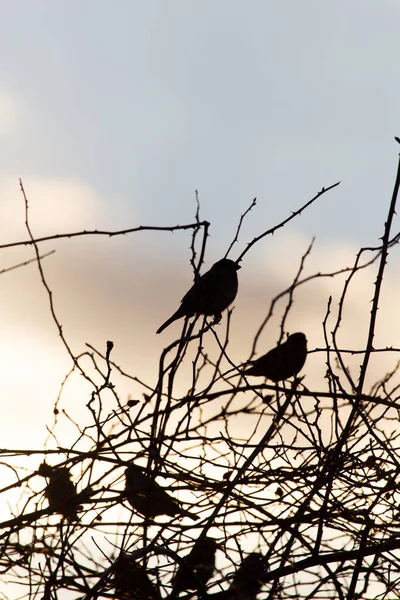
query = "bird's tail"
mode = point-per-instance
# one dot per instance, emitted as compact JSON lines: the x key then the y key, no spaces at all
{"x":177,"y":315}
{"x":165,"y":325}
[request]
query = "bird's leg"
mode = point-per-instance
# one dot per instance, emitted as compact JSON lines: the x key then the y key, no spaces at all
{"x":217,"y":318}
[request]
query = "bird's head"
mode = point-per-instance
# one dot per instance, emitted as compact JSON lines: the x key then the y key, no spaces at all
{"x":297,"y":339}
{"x":226,"y":264}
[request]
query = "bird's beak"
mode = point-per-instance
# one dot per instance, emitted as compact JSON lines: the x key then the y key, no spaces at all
{"x":238,"y":267}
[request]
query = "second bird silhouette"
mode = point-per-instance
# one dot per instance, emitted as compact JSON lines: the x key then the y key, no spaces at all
{"x":282,"y":362}
{"x":212,"y":293}
{"x":60,"y":491}
{"x":249,"y":578}
{"x":131,"y":581}
{"x":196,"y":568}
{"x":148,"y":497}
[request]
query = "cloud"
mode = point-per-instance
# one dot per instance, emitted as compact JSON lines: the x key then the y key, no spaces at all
{"x":55,"y":206}
{"x":111,"y":289}
{"x":12,"y":112}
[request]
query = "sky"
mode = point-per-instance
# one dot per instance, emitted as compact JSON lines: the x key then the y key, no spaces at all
{"x":146,"y":102}
{"x":114,"y":113}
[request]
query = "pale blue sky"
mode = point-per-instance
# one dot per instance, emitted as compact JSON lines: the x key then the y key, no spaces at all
{"x":147,"y":101}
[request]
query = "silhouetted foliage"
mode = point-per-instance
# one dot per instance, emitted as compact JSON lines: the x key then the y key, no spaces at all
{"x":205,"y":485}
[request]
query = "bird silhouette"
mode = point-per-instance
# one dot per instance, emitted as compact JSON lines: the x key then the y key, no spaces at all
{"x":249,"y":578}
{"x":146,"y":496}
{"x":212,"y":293}
{"x":197,"y":567}
{"x":60,"y":491}
{"x":131,"y":581}
{"x":283,"y":361}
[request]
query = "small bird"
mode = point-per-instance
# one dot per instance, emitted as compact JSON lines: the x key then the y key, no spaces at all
{"x":212,"y":293}
{"x":148,"y":497}
{"x":249,"y":578}
{"x":131,"y":581}
{"x":197,"y":568}
{"x":281,"y":362}
{"x":60,"y":491}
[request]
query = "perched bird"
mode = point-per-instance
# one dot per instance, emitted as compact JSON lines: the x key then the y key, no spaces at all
{"x":281,"y":362}
{"x":131,"y":581}
{"x":249,"y":578}
{"x":197,"y":567}
{"x":210,"y":294}
{"x":148,"y":497}
{"x":60,"y":491}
